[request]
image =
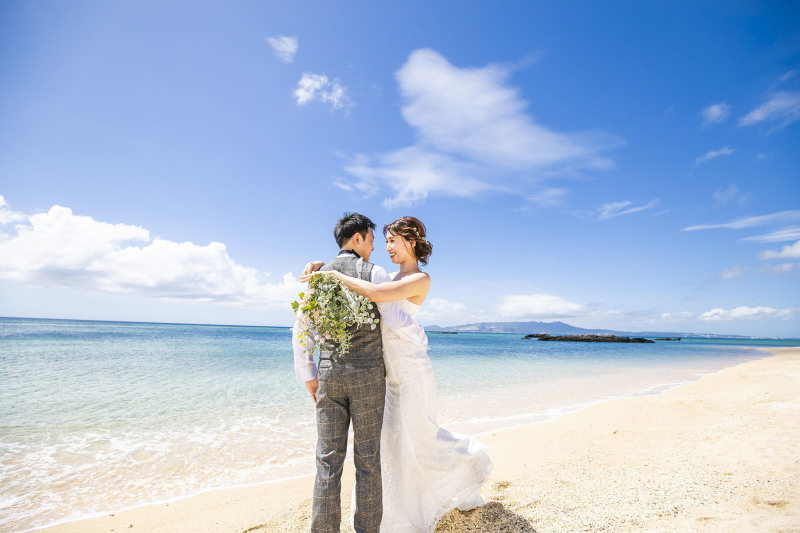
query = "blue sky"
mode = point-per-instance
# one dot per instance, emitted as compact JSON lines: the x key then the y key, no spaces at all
{"x":631,"y":165}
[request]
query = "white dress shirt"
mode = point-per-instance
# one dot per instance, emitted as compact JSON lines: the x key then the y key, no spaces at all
{"x":392,"y":316}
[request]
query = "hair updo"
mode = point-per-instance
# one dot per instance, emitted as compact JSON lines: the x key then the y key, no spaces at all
{"x":411,"y":229}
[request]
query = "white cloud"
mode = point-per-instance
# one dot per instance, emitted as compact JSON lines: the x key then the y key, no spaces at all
{"x":7,"y":216}
{"x":440,"y":311}
{"x":733,"y":272}
{"x":790,"y":251}
{"x":473,"y":112}
{"x":616,"y":209}
{"x":713,"y":154}
{"x":748,"y":313}
{"x":538,"y":307}
{"x":414,"y":173}
{"x":61,"y":249}
{"x":284,"y":47}
{"x":473,"y":132}
{"x":748,"y":222}
{"x":715,"y":114}
{"x":780,"y":269}
{"x":785,"y":234}
{"x":318,"y":87}
{"x":782,"y":107}
{"x":682,"y":316}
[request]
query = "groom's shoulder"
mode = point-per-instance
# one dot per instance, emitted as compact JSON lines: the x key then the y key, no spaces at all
{"x":332,"y":264}
{"x":338,"y":262}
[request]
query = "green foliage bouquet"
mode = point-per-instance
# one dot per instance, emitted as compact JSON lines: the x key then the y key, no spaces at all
{"x":328,"y":309}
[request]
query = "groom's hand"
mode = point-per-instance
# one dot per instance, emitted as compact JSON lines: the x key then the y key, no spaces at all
{"x":312,"y":387}
{"x":312,"y":267}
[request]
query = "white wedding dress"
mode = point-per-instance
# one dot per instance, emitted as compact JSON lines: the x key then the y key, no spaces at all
{"x":426,"y":470}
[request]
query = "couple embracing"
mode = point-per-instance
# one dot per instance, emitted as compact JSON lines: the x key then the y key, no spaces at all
{"x":409,"y":471}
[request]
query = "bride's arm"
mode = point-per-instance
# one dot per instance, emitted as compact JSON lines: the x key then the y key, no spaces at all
{"x":390,"y":291}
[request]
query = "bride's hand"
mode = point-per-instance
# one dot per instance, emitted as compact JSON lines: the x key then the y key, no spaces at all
{"x":312,"y":267}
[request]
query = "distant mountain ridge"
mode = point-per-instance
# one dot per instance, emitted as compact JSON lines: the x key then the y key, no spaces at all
{"x":560,"y":328}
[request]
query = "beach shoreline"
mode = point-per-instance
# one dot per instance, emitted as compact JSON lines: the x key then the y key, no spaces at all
{"x":717,"y":454}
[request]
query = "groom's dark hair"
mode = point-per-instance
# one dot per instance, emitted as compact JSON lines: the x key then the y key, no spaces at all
{"x":349,"y":225}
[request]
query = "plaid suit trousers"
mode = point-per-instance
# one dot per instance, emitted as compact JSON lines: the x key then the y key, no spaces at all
{"x":348,"y":391}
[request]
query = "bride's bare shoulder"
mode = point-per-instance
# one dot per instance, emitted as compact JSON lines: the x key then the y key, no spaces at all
{"x":413,"y":275}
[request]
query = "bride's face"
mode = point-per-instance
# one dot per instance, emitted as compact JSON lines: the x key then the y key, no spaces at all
{"x":399,"y":248}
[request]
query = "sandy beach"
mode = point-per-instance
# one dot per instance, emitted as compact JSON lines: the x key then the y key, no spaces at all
{"x":721,"y":454}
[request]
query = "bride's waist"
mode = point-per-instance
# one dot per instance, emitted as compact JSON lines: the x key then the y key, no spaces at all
{"x":411,"y":337}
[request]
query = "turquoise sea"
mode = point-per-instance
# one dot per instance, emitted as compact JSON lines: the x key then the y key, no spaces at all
{"x":100,"y":416}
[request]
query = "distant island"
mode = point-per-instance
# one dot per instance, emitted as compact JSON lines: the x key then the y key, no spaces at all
{"x":562,"y":328}
{"x":586,"y":338}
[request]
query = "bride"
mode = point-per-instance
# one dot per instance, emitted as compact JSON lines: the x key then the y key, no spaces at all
{"x":427,"y":470}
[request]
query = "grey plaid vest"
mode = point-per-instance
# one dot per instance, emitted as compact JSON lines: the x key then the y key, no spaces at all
{"x":366,"y":347}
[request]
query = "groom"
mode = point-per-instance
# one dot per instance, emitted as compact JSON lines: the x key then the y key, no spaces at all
{"x":351,"y":387}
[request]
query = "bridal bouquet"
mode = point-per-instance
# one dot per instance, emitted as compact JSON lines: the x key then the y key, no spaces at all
{"x":328,"y":309}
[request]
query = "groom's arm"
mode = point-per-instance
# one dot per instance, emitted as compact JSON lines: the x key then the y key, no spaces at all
{"x":304,"y":368}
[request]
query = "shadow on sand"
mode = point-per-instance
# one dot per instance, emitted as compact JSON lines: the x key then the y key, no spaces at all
{"x":492,"y":517}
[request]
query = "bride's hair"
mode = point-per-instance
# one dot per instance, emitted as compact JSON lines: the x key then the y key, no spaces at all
{"x":411,"y":229}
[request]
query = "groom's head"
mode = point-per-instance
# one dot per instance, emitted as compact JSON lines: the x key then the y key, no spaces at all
{"x":354,"y":232}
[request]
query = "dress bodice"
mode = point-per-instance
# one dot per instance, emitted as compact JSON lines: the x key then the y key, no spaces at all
{"x":409,"y":308}
{"x":405,"y":323}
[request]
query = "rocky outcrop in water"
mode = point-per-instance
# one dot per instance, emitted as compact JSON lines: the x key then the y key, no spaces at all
{"x":586,"y":338}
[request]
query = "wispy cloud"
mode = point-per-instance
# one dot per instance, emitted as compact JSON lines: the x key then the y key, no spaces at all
{"x":715,"y":114}
{"x":473,"y":132}
{"x":749,"y":222}
{"x":728,"y":195}
{"x":284,"y":47}
{"x":549,"y":197}
{"x":784,"y":234}
{"x":787,"y":76}
{"x":789,"y":233}
{"x":313,"y":87}
{"x":61,"y":249}
{"x":616,"y":209}
{"x":713,"y":154}
{"x":748,"y":313}
{"x":782,"y":107}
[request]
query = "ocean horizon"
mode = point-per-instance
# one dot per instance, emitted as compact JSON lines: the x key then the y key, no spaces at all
{"x":99,"y":416}
{"x":438,"y":330}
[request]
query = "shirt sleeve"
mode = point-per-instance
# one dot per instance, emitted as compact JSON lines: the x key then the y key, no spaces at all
{"x":304,"y":367}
